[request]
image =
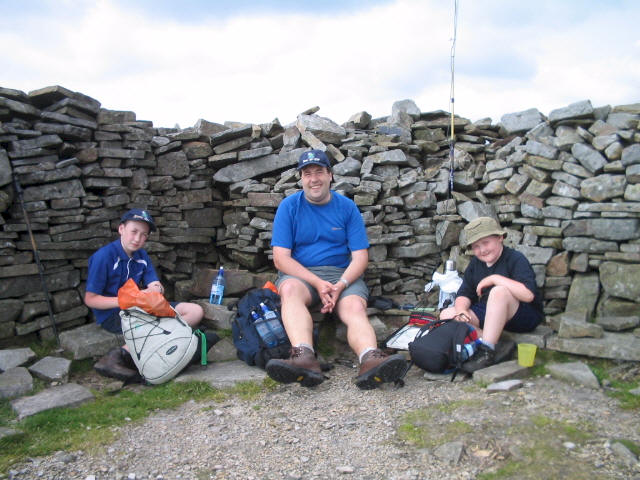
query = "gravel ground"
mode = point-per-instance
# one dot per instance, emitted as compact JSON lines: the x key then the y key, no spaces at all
{"x":426,"y":430}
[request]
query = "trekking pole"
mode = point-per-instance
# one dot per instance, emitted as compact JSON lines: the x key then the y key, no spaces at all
{"x":36,"y":256}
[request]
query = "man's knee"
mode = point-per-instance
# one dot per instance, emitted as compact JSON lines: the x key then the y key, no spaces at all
{"x":293,"y":289}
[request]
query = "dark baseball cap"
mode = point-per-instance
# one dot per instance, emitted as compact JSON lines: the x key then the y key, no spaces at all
{"x":139,"y":215}
{"x":314,"y":157}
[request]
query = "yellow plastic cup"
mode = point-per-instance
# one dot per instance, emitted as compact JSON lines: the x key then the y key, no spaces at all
{"x":526,"y":354}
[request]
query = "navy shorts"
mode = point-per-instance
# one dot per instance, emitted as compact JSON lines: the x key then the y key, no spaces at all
{"x":525,"y":319}
{"x":114,"y":325}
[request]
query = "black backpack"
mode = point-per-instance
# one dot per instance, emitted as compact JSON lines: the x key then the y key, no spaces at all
{"x":249,"y":345}
{"x":442,"y":348}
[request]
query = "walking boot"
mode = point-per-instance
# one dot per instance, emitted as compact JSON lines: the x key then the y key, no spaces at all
{"x":114,"y":365}
{"x":377,"y":368}
{"x":302,"y":367}
{"x":483,"y":358}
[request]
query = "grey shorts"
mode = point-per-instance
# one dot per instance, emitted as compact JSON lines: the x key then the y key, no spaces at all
{"x":330,"y":274}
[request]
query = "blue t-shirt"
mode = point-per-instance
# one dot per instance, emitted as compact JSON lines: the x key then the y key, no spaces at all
{"x":319,"y":235}
{"x":109,"y":269}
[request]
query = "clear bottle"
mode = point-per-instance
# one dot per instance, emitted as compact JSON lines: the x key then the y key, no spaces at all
{"x":217,"y":288}
{"x":262,"y":326}
{"x":274,"y":322}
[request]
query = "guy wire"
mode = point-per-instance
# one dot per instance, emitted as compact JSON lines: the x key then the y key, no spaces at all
{"x":452,"y":96}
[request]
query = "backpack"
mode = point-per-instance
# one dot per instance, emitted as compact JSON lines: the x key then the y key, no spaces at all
{"x":250,"y":346}
{"x":161,"y":347}
{"x":442,"y":347}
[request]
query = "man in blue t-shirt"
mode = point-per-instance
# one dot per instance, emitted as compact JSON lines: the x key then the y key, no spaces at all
{"x":109,"y":268}
{"x":498,"y":291}
{"x":320,"y":250}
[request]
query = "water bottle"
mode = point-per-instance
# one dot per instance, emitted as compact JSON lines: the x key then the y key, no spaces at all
{"x":273,"y":321}
{"x":263,"y":329}
{"x":217,"y":288}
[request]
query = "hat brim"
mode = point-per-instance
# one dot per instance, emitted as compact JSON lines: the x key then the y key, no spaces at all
{"x":468,"y":242}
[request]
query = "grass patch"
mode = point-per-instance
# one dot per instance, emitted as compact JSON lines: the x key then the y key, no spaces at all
{"x":421,"y":429}
{"x":601,"y":368}
{"x":224,"y":332}
{"x":452,"y":406}
{"x":89,"y":425}
{"x":632,"y":446}
{"x":542,"y":452}
{"x":532,"y":448}
{"x":43,"y":348}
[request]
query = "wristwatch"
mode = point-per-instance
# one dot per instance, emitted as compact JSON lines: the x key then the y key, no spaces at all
{"x":345,"y":281}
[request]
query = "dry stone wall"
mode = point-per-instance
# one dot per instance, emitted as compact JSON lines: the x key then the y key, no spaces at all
{"x":566,"y":186}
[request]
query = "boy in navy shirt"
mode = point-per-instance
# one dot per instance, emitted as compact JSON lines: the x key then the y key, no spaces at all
{"x":109,"y":268}
{"x":498,"y":291}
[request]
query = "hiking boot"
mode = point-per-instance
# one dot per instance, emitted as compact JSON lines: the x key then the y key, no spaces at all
{"x":377,"y":367}
{"x":483,"y":358}
{"x":302,"y":367}
{"x":127,"y":359}
{"x":114,"y":365}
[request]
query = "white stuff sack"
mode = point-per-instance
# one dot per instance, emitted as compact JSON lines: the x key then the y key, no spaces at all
{"x":160,"y":346}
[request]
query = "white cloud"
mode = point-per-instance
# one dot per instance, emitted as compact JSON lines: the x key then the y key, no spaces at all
{"x":254,"y":68}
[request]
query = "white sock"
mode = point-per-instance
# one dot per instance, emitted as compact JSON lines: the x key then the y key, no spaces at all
{"x":492,"y":346}
{"x":306,"y":345}
{"x":364,"y":352}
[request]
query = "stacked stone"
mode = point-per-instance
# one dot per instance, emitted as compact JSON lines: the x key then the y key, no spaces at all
{"x":565,"y":187}
{"x":80,"y":167}
{"x":569,"y":185}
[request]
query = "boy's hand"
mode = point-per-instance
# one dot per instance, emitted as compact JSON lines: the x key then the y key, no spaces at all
{"x":486,"y":283}
{"x":154,"y":287}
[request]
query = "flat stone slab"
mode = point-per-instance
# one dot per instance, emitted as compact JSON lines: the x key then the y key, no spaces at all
{"x":574,"y":372}
{"x":499,"y":372}
{"x":68,"y":395}
{"x":612,"y":345}
{"x":443,"y":377}
{"x":15,"y":357}
{"x":505,"y":386}
{"x":52,"y":369}
{"x":537,"y":337}
{"x":223,"y":351}
{"x":15,"y":382}
{"x":88,"y":341}
{"x":222,"y":375}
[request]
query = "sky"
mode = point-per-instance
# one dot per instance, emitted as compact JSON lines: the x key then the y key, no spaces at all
{"x":176,"y":61}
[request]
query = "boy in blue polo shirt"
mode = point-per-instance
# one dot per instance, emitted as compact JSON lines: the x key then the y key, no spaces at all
{"x":109,"y":268}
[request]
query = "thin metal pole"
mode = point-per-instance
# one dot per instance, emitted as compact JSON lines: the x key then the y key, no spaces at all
{"x":36,"y":255}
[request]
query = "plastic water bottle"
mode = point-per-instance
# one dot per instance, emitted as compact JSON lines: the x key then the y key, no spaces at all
{"x":217,"y":288}
{"x":273,"y":321}
{"x":262,"y":326}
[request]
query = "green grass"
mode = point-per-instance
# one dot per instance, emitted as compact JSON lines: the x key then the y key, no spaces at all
{"x":601,"y":368}
{"x":423,"y":430}
{"x":90,"y":424}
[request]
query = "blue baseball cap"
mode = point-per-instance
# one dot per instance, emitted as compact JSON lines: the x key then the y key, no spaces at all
{"x":314,"y":157}
{"x":139,"y":215}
